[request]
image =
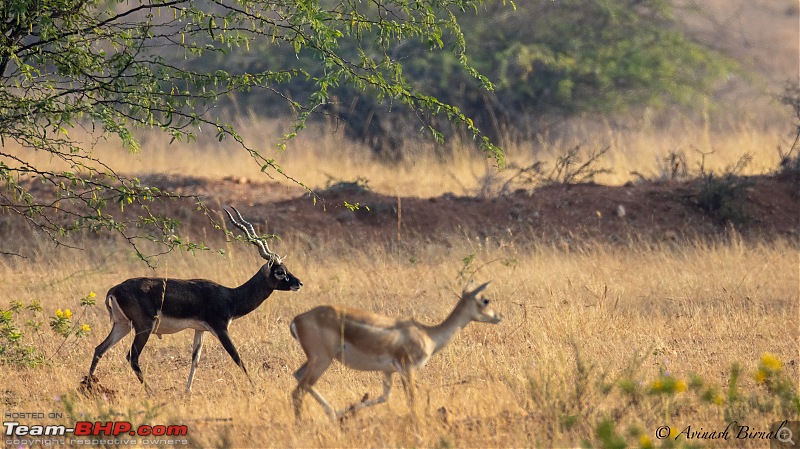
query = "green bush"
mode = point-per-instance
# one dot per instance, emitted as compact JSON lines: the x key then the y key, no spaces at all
{"x":723,"y":197}
{"x":16,"y":348}
{"x":544,"y":58}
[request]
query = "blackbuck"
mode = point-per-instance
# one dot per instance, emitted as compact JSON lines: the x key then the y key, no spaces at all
{"x":166,"y":306}
{"x":367,"y":341}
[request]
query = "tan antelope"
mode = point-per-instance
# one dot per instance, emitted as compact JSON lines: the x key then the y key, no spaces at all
{"x":166,"y":306}
{"x":368,"y":341}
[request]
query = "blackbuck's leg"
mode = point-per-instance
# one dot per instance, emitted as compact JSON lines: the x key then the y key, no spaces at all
{"x":387,"y":390}
{"x":225,"y":339}
{"x":307,"y":376}
{"x":301,"y":372}
{"x":118,"y":331}
{"x":197,"y":348}
{"x":139,"y":342}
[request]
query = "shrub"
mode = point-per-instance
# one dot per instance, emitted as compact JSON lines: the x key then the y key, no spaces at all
{"x":723,"y":198}
{"x":15,"y":346}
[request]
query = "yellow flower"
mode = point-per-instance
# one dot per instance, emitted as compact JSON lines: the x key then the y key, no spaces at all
{"x":59,"y":313}
{"x":770,"y":361}
{"x":761,"y":376}
{"x":67,"y":313}
{"x":645,"y":442}
{"x":92,"y":294}
{"x":718,"y":399}
{"x":657,"y":385}
{"x":680,"y":386}
{"x":85,"y":328}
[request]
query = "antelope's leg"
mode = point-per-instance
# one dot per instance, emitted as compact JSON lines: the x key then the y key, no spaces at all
{"x":225,"y":339}
{"x":118,"y":331}
{"x":196,"y":350}
{"x":408,"y":384}
{"x":387,"y":390}
{"x":137,"y":347}
{"x":309,"y":374}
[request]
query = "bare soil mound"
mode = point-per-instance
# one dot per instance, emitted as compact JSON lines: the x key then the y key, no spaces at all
{"x":758,"y":207}
{"x":762,"y":207}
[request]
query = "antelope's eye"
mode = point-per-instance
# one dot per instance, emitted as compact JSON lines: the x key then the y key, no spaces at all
{"x":485,"y":302}
{"x":279,"y":273}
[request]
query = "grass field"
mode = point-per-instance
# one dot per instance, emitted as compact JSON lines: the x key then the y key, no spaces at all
{"x":600,"y":346}
{"x":575,"y":323}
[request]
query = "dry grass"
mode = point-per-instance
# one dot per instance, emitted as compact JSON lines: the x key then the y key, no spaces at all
{"x":696,"y":308}
{"x":322,"y":156}
{"x":685,"y":308}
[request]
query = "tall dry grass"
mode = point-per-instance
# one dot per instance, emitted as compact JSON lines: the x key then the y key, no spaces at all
{"x":322,"y":155}
{"x":695,"y":308}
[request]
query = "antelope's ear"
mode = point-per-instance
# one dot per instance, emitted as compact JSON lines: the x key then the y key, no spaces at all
{"x":480,"y":288}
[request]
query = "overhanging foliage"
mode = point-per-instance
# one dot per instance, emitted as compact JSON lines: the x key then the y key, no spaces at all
{"x":108,"y":66}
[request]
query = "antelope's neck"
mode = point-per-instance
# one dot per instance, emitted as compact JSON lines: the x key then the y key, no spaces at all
{"x":248,"y":296}
{"x":443,"y":333}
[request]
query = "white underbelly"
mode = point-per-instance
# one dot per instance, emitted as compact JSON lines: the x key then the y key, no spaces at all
{"x":171,"y":325}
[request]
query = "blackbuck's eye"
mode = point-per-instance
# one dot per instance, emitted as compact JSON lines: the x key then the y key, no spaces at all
{"x":485,"y":302}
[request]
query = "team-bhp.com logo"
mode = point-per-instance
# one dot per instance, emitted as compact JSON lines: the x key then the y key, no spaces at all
{"x":157,"y":434}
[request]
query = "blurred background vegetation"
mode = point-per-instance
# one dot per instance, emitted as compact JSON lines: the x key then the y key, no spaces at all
{"x":549,"y":61}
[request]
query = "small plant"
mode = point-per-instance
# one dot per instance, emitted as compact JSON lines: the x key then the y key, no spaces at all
{"x":334,"y":184}
{"x":790,"y":161}
{"x":61,"y":321}
{"x":673,"y":167}
{"x":779,"y":385}
{"x":15,"y":348}
{"x":723,"y":197}
{"x":791,"y":98}
{"x":612,"y":412}
{"x":575,"y":166}
{"x":790,"y":166}
{"x":467,"y":266}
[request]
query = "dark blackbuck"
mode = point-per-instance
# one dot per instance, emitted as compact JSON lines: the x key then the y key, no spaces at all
{"x":166,"y":306}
